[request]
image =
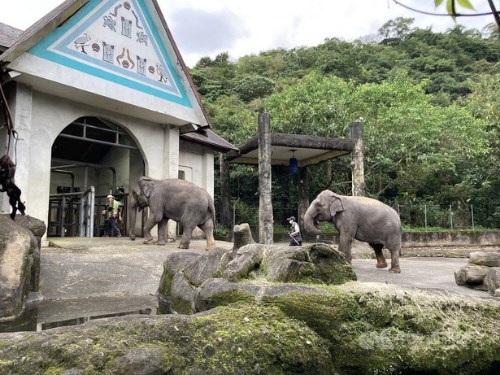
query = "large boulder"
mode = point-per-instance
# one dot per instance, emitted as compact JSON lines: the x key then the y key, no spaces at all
{"x":483,"y":258}
{"x":190,"y":284}
{"x":316,"y":264}
{"x":354,"y":328}
{"x":481,"y":272}
{"x":472,"y":276}
{"x":19,"y":262}
{"x":492,"y":281}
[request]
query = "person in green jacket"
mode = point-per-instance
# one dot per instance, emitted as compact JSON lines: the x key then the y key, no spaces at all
{"x":113,"y":214}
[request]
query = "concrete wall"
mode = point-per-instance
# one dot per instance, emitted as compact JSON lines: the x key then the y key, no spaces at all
{"x":471,"y":238}
{"x":198,"y":165}
{"x":434,"y":239}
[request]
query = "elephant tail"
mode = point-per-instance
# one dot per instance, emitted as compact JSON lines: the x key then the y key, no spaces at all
{"x":211,"y":208}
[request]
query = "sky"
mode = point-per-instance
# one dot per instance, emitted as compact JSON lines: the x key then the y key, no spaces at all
{"x":242,"y":27}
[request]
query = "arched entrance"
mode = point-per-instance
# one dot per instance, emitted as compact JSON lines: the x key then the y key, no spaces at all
{"x":91,"y":158}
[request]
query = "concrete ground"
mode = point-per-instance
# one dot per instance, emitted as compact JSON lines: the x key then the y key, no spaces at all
{"x":84,"y":278}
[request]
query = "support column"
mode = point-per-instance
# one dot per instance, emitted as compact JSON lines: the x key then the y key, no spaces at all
{"x":303,"y":194}
{"x":225,"y":217}
{"x":208,"y":173}
{"x":358,"y":169}
{"x":171,"y":167}
{"x":21,"y":106}
{"x":171,"y":152}
{"x":265,"y":198}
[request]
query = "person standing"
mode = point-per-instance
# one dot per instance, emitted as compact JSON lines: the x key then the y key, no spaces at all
{"x":294,"y":232}
{"x":113,"y":212}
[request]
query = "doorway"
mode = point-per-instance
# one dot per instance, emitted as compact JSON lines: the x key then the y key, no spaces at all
{"x":91,"y":158}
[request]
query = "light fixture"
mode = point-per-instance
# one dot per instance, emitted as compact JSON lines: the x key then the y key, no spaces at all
{"x":294,"y":164}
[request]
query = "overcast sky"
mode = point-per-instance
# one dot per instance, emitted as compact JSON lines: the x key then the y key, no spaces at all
{"x":242,"y":27}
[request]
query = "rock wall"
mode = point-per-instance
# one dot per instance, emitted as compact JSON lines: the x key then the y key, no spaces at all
{"x":19,"y":262}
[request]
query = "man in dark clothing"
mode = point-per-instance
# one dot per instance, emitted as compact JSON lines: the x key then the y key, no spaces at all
{"x":295,"y":232}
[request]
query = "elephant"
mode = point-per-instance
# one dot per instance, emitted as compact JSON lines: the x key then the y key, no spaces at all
{"x":360,"y":218}
{"x":174,"y":199}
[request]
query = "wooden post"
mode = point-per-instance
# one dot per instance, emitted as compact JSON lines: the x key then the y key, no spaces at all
{"x":358,"y":173}
{"x":303,"y":194}
{"x":226,"y":216}
{"x":265,"y":199}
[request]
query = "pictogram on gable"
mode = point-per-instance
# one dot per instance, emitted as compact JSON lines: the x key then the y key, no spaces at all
{"x":117,"y":41}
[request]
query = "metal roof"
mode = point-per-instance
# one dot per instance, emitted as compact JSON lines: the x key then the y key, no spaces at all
{"x":8,"y":35}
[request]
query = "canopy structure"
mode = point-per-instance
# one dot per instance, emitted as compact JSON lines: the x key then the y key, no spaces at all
{"x":306,"y":149}
{"x":293,"y":150}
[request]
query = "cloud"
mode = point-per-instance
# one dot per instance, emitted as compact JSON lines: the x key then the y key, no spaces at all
{"x":241,"y":27}
{"x":199,"y":31}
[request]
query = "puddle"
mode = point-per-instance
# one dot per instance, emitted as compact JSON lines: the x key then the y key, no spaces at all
{"x":40,"y":316}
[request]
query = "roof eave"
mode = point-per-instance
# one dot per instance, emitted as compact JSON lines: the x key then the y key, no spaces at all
{"x":183,"y":65}
{"x":41,"y":28}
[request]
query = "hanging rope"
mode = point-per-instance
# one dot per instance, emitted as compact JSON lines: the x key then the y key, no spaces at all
{"x":7,"y":166}
{"x":9,"y":123}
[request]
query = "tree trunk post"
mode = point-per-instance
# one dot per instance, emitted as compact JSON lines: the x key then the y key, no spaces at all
{"x":303,"y":194}
{"x":226,"y":217}
{"x":265,"y":198}
{"x":358,"y":173}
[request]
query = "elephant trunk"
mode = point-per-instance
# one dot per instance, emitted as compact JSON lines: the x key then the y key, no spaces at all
{"x":310,"y":223}
{"x":133,"y":207}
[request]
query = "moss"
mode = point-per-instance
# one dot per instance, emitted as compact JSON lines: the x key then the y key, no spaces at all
{"x":229,"y":297}
{"x":54,"y":371}
{"x":331,"y":267}
{"x":165,"y":284}
{"x":182,"y":306}
{"x":391,"y":332}
{"x":254,"y":339}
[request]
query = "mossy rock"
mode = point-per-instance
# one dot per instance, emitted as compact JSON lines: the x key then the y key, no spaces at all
{"x":374,"y":328}
{"x":239,"y":339}
{"x":355,"y":328}
{"x":314,"y":264}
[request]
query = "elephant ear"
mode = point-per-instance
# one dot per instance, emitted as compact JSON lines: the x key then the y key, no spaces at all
{"x":147,"y":186}
{"x":336,"y":205}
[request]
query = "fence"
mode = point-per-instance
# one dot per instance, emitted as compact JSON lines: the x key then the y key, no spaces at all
{"x":454,"y":217}
{"x":433,"y":216}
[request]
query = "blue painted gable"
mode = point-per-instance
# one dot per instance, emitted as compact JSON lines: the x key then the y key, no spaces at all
{"x":116,"y":41}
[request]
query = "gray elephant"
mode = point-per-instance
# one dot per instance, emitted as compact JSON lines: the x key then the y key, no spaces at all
{"x":175,"y":199}
{"x":361,"y":218}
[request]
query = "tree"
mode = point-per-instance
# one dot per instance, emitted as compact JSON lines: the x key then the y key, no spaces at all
{"x":453,"y":5}
{"x":397,"y":28}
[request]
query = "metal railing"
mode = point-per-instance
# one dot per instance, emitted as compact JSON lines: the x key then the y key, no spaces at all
{"x":72,"y":214}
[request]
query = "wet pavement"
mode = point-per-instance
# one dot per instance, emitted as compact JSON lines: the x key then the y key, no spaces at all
{"x":84,"y":278}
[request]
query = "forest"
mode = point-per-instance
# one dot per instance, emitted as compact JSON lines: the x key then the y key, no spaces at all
{"x":430,"y":104}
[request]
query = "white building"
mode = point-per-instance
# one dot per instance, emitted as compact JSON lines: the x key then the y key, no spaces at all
{"x":99,"y":96}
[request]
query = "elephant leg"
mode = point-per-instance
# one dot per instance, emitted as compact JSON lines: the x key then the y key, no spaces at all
{"x":345,"y":243}
{"x":150,"y":223}
{"x":186,"y":236}
{"x":395,"y":250}
{"x":162,"y":232}
{"x":208,"y":228}
{"x":381,"y":262}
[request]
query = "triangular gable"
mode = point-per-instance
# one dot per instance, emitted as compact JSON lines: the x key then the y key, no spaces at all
{"x":125,"y":44}
{"x":115,"y":41}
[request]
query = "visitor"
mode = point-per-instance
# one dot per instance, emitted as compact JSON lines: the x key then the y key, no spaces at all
{"x":294,"y":232}
{"x":113,"y":214}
